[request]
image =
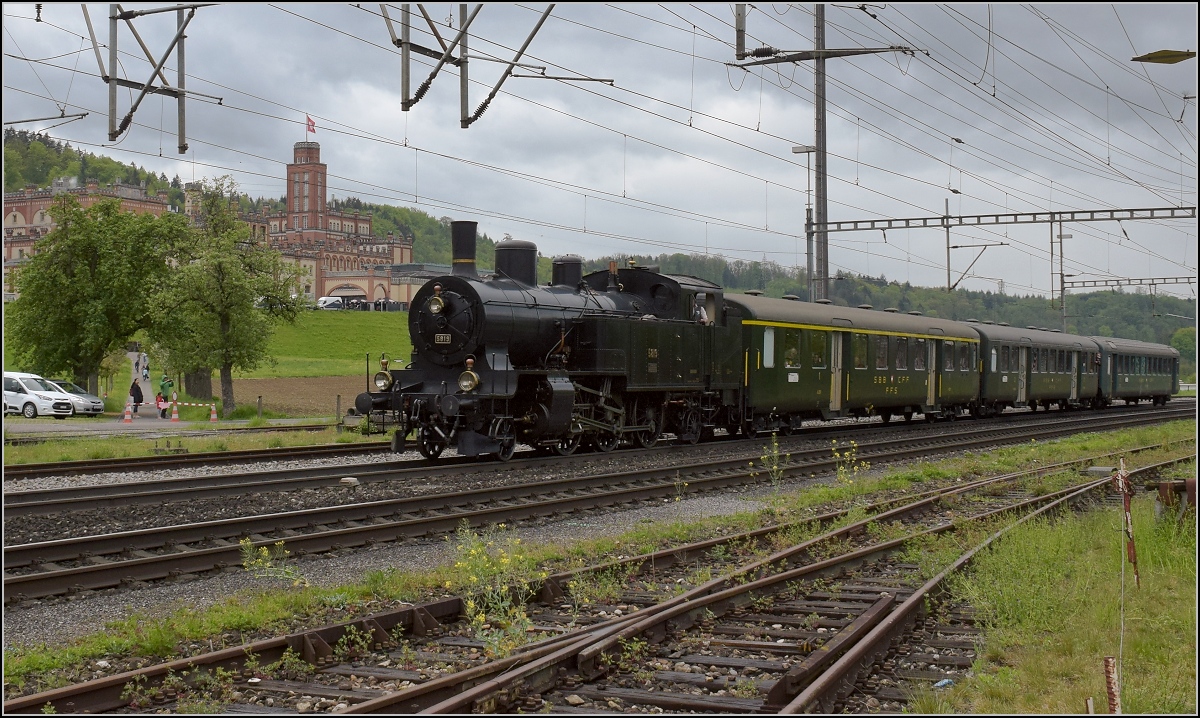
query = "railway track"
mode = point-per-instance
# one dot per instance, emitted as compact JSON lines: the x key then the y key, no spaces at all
{"x":48,"y":501}
{"x":51,"y":568}
{"x":167,"y":431}
{"x":183,"y":461}
{"x":796,"y":630}
{"x":216,"y":458}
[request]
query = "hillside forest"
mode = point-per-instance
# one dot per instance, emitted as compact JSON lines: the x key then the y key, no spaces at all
{"x":1135,"y":313}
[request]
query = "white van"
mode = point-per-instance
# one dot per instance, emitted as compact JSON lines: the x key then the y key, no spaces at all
{"x":330,"y":303}
{"x":33,"y":396}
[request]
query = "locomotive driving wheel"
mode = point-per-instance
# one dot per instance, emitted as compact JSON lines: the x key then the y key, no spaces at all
{"x":567,"y":445}
{"x":430,"y":443}
{"x":606,"y":442}
{"x":690,"y":427}
{"x":644,"y":414}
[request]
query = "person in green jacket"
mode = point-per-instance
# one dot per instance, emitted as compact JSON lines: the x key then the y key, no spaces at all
{"x":164,"y":388}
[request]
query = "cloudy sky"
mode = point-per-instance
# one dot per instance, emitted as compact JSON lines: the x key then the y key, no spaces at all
{"x":999,"y":109}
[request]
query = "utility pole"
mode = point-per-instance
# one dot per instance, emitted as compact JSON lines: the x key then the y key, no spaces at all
{"x":822,"y":214}
{"x":1062,"y":277}
{"x":947,"y":244}
{"x":820,"y":282}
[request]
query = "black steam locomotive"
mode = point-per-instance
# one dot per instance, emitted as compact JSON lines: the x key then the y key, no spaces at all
{"x":628,"y":354}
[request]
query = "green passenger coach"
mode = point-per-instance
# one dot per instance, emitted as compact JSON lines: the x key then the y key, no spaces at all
{"x":803,"y":361}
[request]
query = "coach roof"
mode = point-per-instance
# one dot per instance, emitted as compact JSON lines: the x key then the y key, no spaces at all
{"x":782,"y":311}
{"x":1036,"y":337}
{"x":1132,"y":346}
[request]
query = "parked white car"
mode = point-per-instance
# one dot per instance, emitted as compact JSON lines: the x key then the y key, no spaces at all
{"x":33,"y":396}
{"x":83,"y":402}
{"x":330,"y":303}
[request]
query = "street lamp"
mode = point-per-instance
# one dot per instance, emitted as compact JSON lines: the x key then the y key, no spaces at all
{"x":1165,"y":57}
{"x":807,"y":151}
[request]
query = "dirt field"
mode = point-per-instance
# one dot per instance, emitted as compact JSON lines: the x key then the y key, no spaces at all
{"x":305,"y":396}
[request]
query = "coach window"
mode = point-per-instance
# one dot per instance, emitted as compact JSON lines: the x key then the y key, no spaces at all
{"x":858,"y":347}
{"x":816,"y":347}
{"x":1047,"y":362}
{"x":919,"y":355}
{"x":768,"y":357}
{"x":964,"y":357}
{"x":791,"y":347}
{"x":881,"y":352}
{"x":995,"y":360}
{"x":1003,"y":360}
{"x":948,"y":356}
{"x":901,"y":353}
{"x":1033,"y":365}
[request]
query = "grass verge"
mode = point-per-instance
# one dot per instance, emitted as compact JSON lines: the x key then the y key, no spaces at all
{"x":127,"y":447}
{"x":1050,"y":595}
{"x":274,"y":610}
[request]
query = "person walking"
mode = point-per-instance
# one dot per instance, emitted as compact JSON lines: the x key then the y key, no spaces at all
{"x":137,"y":365}
{"x":135,"y":395}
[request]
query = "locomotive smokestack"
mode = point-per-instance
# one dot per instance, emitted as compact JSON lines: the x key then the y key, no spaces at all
{"x":462,"y":237}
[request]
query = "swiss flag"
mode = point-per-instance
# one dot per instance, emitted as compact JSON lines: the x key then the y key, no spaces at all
{"x":312,"y":126}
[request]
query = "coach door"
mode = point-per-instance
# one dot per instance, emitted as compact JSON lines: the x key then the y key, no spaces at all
{"x":931,"y":367}
{"x":1022,"y":375}
{"x":1074,"y":376}
{"x":835,"y":371}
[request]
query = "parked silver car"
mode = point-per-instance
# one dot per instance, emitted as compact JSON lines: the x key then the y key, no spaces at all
{"x":82,"y":402}
{"x":33,"y":396}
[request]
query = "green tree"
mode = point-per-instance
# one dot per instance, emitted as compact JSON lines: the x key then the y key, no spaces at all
{"x":218,"y":307}
{"x":85,"y":291}
{"x":1184,"y":340}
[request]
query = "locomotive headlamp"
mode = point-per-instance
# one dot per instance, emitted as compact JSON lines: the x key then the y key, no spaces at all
{"x":383,"y":380}
{"x":436,"y":304}
{"x":468,"y":380}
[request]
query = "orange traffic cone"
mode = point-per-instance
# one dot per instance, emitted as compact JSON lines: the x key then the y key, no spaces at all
{"x":128,"y":414}
{"x":212,"y":415}
{"x":174,"y":411}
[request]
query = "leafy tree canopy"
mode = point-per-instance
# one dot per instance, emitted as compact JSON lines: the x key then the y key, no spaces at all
{"x":218,"y":307}
{"x":85,"y":290}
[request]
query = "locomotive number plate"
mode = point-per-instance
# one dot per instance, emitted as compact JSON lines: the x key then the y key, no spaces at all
{"x":441,"y":338}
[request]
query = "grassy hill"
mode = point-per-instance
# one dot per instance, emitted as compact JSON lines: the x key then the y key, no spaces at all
{"x":336,"y":343}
